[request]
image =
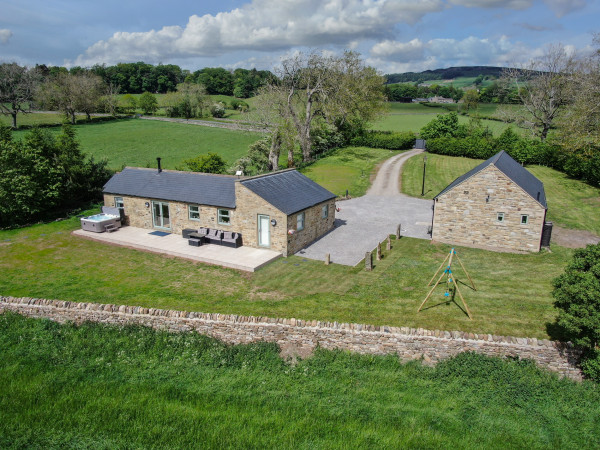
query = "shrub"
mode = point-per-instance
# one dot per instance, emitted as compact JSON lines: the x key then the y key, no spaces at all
{"x":443,"y":125}
{"x":148,"y":103}
{"x":208,"y":163}
{"x":385,"y":139}
{"x":217,"y":110}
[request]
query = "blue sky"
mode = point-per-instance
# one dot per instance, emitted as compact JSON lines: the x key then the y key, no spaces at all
{"x":392,"y":35}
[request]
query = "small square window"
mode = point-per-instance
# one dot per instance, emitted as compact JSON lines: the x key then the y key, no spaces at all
{"x":325,"y":211}
{"x":194,"y":212}
{"x":223,"y":217}
{"x":119,"y":203}
{"x":500,"y":217}
{"x":524,"y":219}
{"x":300,"y":222}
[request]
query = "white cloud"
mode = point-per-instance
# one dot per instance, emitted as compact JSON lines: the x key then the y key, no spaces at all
{"x":401,"y":51}
{"x":391,"y":56}
{"x":564,"y":7}
{"x":264,"y":25}
{"x":5,"y":35}
{"x":509,"y":4}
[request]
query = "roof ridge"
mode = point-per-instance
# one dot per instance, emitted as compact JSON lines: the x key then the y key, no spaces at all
{"x":223,"y":175}
{"x":264,"y":175}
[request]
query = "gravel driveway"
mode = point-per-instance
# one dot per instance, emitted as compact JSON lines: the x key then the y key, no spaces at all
{"x":363,"y":222}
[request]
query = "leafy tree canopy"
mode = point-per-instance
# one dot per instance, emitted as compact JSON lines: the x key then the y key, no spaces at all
{"x":207,"y":163}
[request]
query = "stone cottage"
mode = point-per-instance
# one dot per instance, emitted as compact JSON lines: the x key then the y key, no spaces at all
{"x":498,"y":205}
{"x":282,"y":211}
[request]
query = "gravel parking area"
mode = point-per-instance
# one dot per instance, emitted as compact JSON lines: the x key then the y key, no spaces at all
{"x":363,"y":222}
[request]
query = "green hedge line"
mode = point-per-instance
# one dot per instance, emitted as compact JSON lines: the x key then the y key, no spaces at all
{"x":385,"y":139}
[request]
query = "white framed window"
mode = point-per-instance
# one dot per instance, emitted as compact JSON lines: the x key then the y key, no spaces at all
{"x":500,"y":217}
{"x":119,"y":203}
{"x":300,"y":222}
{"x":194,"y":212}
{"x":325,"y":211}
{"x":524,"y":219}
{"x":223,"y":217}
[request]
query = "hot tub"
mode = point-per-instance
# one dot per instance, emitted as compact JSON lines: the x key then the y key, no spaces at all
{"x":98,"y":222}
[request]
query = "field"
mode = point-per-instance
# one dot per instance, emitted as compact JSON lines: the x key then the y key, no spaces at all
{"x":47,"y":261}
{"x":571,"y":203}
{"x":99,"y":386}
{"x":414,"y":116}
{"x":137,"y":142}
{"x":347,"y":169}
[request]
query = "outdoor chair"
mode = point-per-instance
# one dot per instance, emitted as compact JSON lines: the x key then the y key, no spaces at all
{"x":231,"y":239}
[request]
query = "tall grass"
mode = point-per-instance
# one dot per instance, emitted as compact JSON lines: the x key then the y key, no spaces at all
{"x":98,"y":386}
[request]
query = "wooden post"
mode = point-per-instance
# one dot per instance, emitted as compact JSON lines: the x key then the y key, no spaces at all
{"x":327,"y":259}
{"x":379,"y":252}
{"x":368,"y":261}
{"x":389,"y":243}
{"x":398,"y":231}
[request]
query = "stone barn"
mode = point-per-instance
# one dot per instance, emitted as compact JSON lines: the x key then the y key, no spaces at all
{"x":282,"y":211}
{"x":498,"y":205}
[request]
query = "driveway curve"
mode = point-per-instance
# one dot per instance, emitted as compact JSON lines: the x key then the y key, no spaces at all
{"x":365,"y":221}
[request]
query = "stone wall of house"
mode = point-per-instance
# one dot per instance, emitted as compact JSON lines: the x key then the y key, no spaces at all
{"x":465,"y":216}
{"x":315,"y":225}
{"x":303,"y":336}
{"x":248,"y":207}
{"x":137,"y":214}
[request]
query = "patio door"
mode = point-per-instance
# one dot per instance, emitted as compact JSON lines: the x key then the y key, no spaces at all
{"x":264,"y":231}
{"x":160,"y":215}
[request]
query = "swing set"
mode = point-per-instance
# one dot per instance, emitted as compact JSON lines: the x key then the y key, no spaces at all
{"x":451,"y":285}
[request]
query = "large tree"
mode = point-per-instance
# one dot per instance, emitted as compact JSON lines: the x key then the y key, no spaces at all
{"x":72,"y":93}
{"x":580,"y":124}
{"x":311,"y":88}
{"x":542,"y":89}
{"x":17,"y":88}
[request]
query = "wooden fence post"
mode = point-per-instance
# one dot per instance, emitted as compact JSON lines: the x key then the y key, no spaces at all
{"x":389,"y":243}
{"x":379,"y":252}
{"x":327,"y":259}
{"x":399,"y":231}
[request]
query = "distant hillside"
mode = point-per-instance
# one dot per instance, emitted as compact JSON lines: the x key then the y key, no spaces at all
{"x":443,"y":74}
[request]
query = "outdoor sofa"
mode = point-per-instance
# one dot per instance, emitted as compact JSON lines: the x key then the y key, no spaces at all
{"x":214,"y":236}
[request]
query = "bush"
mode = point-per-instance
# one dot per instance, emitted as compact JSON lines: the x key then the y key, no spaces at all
{"x":241,"y":105}
{"x":385,"y":139}
{"x":217,"y":110}
{"x":43,"y":176}
{"x":148,"y":103}
{"x":577,"y":294}
{"x":208,"y":163}
{"x":443,"y":125}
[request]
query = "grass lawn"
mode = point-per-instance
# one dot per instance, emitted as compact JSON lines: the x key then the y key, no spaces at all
{"x":347,"y":168}
{"x":47,"y":261}
{"x":136,"y":142}
{"x":571,"y":203}
{"x":98,"y":386}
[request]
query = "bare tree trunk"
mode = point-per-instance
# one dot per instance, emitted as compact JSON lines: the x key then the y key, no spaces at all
{"x":14,"y":119}
{"x":274,"y":152}
{"x":290,"y":161}
{"x":88,"y":116}
{"x":73,"y":118}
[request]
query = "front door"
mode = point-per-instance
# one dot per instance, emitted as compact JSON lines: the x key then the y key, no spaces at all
{"x":264,"y":231}
{"x":160,"y":215}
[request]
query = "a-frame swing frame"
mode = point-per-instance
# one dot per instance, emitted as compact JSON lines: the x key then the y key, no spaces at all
{"x":449,"y":279}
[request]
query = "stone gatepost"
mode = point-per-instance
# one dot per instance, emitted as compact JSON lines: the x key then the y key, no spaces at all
{"x":368,"y":261}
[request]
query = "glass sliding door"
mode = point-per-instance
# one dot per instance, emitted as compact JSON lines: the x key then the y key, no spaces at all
{"x":160,"y":215}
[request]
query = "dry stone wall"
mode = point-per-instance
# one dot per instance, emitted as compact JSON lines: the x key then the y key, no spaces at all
{"x":409,"y":343}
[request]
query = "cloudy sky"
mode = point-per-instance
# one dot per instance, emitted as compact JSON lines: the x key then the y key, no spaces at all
{"x":392,"y":35}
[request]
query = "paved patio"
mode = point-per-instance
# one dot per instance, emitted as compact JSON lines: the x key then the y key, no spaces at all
{"x":243,"y":258}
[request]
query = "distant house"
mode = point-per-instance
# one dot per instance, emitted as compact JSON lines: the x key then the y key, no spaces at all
{"x":282,"y":211}
{"x":438,"y":99}
{"x":498,"y":205}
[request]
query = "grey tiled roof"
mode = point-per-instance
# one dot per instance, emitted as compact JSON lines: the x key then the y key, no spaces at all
{"x":288,"y":191}
{"x":513,"y":170}
{"x":187,"y":187}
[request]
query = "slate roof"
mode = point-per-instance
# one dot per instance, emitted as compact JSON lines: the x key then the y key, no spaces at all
{"x":513,"y":170}
{"x":186,"y":187}
{"x":289,"y":191}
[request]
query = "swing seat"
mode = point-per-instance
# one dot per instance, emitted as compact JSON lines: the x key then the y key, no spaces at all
{"x":446,"y":294}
